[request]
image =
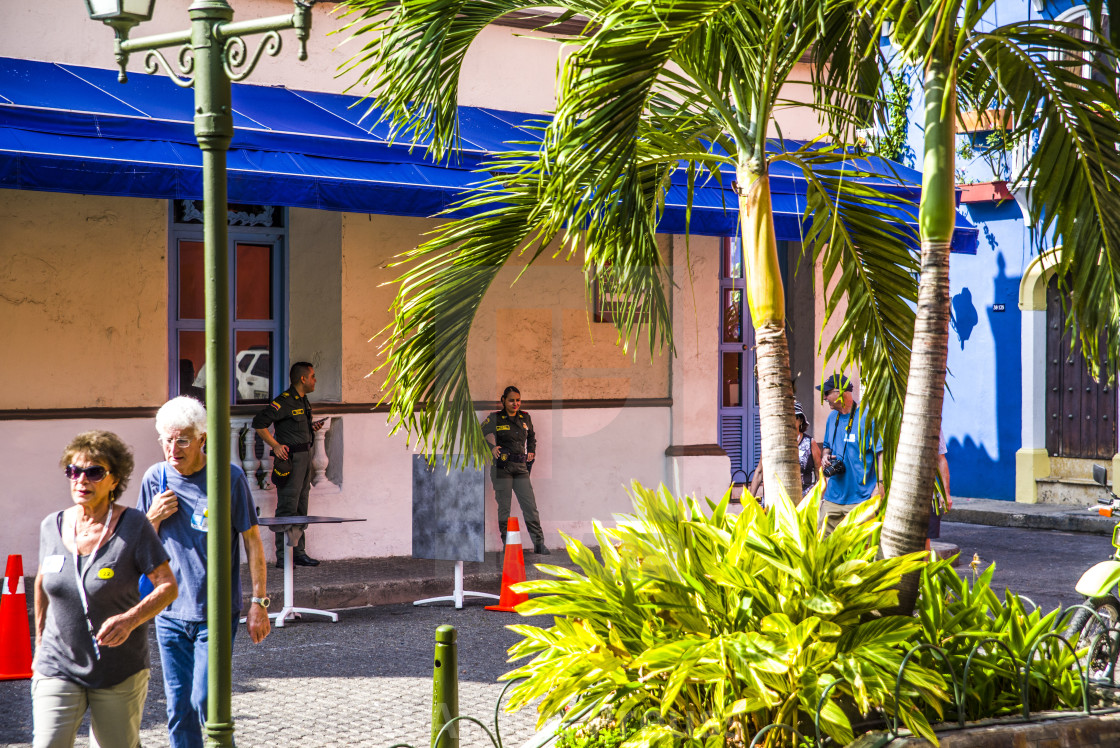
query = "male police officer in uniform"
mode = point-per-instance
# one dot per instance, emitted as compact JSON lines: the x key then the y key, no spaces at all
{"x":290,"y":416}
{"x":514,"y":444}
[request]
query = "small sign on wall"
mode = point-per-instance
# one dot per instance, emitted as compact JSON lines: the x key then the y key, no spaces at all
{"x":999,"y":307}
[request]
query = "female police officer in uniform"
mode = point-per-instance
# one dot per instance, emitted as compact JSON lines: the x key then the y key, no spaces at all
{"x":514,"y":444}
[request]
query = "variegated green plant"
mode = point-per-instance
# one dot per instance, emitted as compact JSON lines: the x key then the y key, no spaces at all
{"x":710,"y":625}
{"x":961,"y":616}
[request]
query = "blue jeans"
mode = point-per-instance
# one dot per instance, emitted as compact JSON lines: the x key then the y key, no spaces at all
{"x":183,"y":651}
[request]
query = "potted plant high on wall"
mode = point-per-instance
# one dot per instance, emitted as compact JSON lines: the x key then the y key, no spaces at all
{"x":993,"y":150}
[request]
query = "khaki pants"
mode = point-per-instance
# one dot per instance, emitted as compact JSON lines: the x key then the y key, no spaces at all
{"x":57,"y":708}
{"x":831,"y":515}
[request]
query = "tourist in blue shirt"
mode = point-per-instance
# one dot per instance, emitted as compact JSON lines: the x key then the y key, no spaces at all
{"x":850,"y":441}
{"x":173,"y":495}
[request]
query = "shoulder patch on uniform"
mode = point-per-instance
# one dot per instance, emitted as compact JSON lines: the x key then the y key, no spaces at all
{"x":276,"y":405}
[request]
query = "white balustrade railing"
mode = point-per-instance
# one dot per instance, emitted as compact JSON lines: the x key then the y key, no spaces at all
{"x":244,"y":439}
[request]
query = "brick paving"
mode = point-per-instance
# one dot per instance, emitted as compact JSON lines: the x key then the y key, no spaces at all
{"x":364,"y":681}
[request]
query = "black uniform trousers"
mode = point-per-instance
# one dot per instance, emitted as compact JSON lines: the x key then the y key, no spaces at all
{"x":291,"y":500}
{"x":504,"y":487}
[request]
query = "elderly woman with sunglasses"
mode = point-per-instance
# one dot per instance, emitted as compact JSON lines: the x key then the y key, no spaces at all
{"x":91,"y":630}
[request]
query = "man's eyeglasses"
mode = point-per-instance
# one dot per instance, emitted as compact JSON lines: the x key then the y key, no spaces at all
{"x":93,"y":473}
{"x":182,"y":442}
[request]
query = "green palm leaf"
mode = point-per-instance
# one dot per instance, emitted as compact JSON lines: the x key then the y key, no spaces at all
{"x":1074,"y":170}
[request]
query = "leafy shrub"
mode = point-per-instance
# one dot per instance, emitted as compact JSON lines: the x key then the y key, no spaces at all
{"x":601,"y":731}
{"x":958,"y":615}
{"x":708,"y":626}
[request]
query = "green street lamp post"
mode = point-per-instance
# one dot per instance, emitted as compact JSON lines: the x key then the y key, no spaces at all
{"x":212,"y":54}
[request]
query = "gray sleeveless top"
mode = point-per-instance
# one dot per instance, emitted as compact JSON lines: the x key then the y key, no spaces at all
{"x":111,"y":577}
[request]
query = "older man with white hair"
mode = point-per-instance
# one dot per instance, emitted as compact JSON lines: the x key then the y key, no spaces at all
{"x":173,"y":495}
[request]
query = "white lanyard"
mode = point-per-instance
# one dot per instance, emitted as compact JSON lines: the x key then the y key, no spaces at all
{"x":79,"y":574}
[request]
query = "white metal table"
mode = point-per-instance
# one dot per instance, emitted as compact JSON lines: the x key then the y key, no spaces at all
{"x":291,"y":527}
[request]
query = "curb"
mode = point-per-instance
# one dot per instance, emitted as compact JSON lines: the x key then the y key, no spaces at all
{"x":1065,"y":522}
{"x":391,"y":591}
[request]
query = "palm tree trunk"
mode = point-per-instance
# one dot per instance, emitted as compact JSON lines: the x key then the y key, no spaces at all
{"x":766,"y":300}
{"x":913,"y":481}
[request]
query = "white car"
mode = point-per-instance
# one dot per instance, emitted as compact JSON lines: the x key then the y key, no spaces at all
{"x":253,"y":372}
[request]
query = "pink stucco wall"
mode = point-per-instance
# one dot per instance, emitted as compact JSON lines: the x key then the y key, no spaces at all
{"x":586,"y":459}
{"x":526,"y":86}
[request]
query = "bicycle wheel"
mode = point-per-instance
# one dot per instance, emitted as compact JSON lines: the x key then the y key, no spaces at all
{"x":1084,"y":628}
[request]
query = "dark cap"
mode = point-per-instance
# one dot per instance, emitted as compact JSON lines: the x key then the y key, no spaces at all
{"x":836,"y":382}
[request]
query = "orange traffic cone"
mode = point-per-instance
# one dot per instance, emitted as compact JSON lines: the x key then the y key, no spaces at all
{"x":15,"y":635}
{"x":513,"y":570}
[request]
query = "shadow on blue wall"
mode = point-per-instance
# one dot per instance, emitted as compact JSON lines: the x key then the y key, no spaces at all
{"x":964,"y":317}
{"x":973,"y":472}
{"x":989,"y":237}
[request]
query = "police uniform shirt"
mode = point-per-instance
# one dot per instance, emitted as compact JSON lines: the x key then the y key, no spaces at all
{"x":514,"y":433}
{"x":290,"y":413}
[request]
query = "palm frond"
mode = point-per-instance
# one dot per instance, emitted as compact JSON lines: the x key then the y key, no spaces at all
{"x":1073,"y":173}
{"x":604,"y":90}
{"x":440,"y":291}
{"x":446,"y":278}
{"x":412,"y":57}
{"x":862,"y":234}
{"x":847,"y":70}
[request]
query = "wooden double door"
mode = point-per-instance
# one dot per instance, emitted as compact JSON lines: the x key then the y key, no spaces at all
{"x":1080,"y":412}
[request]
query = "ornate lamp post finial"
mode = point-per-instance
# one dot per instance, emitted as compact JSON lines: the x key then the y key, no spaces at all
{"x":122,"y":15}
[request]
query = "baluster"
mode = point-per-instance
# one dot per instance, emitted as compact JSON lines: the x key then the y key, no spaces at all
{"x":251,"y":463}
{"x":234,"y":442}
{"x":267,"y":458}
{"x":319,"y":459}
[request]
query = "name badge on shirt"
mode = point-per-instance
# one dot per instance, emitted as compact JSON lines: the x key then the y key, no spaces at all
{"x":502,"y":428}
{"x":53,"y":564}
{"x":200,"y":521}
{"x":850,"y":438}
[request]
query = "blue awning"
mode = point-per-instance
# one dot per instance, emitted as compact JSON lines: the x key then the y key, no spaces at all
{"x":66,"y":128}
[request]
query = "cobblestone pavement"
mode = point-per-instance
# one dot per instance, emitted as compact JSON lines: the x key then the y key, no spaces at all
{"x":364,"y":681}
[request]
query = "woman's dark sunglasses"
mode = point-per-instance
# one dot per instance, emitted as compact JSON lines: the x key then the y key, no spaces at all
{"x":94,"y":472}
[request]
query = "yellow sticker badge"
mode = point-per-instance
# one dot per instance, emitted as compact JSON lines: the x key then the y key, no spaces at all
{"x":105,"y":573}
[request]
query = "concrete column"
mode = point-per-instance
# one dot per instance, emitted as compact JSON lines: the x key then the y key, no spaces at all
{"x":694,"y":462}
{"x":1031,"y":461}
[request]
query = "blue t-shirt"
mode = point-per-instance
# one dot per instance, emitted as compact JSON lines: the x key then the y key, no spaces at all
{"x":184,"y":533}
{"x":841,"y":434}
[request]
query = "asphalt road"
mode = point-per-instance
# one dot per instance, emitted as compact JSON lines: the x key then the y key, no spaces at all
{"x":366,"y":681}
{"x":1042,"y":565}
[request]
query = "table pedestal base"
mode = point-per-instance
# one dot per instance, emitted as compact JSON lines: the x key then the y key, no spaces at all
{"x":459,"y":593}
{"x":293,"y":614}
{"x":290,"y":612}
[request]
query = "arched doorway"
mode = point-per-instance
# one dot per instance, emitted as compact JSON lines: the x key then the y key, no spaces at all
{"x":1057,"y":393}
